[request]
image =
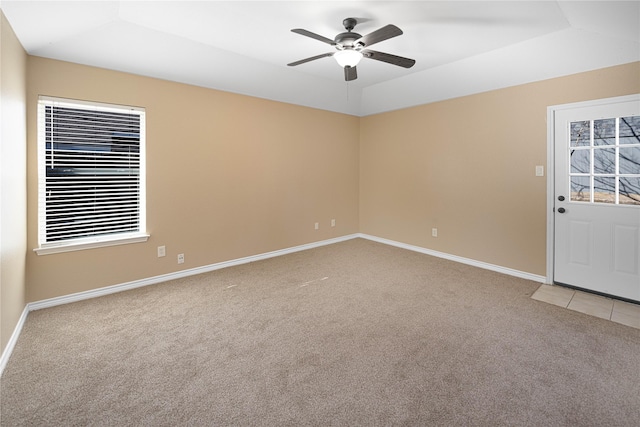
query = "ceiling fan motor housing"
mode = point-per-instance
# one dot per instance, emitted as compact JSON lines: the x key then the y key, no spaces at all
{"x":346,"y":40}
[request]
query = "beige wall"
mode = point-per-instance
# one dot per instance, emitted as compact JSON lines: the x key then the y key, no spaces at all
{"x":231,"y":176}
{"x":13,"y":181}
{"x":228,"y":176}
{"x":467,"y":167}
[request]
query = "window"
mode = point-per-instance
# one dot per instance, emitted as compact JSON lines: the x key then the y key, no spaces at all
{"x":605,"y":161}
{"x":91,"y":175}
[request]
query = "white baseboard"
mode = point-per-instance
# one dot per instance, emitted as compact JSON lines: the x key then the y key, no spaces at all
{"x":462,"y":260}
{"x":66,"y":299}
{"x":6,"y":353}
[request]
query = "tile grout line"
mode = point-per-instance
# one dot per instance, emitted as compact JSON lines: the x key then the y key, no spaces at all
{"x":613,"y":304}
{"x":570,"y":299}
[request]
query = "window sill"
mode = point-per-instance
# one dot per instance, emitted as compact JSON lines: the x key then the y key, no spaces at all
{"x":90,"y":244}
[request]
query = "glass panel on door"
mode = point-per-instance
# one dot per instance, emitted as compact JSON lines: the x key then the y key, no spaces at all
{"x":604,"y":160}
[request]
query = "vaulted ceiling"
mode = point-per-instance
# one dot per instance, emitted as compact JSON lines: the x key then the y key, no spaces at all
{"x":460,"y":47}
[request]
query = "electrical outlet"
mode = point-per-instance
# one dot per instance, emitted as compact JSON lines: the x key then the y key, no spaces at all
{"x":161,"y":251}
{"x":180,"y":258}
{"x":317,"y":225}
{"x":333,"y":222}
{"x":434,"y":232}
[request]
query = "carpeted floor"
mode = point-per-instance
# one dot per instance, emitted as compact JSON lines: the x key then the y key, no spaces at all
{"x":356,"y":333}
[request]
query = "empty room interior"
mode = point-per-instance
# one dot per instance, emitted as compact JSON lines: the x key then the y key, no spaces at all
{"x":412,"y":238}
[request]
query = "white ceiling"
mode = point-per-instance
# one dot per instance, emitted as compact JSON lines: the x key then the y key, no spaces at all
{"x":460,"y":47}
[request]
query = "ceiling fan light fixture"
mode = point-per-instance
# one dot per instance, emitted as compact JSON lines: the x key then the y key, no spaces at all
{"x":347,"y":57}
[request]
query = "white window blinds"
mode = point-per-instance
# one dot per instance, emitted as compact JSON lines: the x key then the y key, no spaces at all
{"x":91,"y":171}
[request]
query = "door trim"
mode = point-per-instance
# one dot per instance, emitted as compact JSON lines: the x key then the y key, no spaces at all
{"x":551,"y":113}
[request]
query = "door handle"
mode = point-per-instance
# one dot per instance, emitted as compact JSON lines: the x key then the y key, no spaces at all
{"x":561,"y":210}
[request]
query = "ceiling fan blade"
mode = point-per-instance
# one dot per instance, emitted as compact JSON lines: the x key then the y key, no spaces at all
{"x":381,"y":34}
{"x":312,"y":58}
{"x":350,"y":73}
{"x":388,"y":58}
{"x":313,"y":36}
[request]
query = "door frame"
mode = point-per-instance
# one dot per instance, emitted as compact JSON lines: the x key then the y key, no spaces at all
{"x":551,"y":124}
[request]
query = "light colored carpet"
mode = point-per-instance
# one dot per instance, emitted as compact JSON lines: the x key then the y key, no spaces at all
{"x":356,"y":333}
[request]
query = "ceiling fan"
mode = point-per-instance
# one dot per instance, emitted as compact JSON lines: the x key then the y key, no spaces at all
{"x":352,"y":47}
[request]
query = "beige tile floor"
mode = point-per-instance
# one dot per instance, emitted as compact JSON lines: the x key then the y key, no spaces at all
{"x":594,"y":305}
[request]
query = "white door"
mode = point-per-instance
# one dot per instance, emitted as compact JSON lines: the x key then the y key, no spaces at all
{"x":597,"y":196}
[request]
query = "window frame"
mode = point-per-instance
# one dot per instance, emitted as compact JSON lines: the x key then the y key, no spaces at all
{"x":90,"y":242}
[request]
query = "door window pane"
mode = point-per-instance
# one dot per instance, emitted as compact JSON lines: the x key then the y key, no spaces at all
{"x":630,"y":160}
{"x":580,"y":136}
{"x":604,"y":132}
{"x":581,"y":161}
{"x":604,"y":161}
{"x":580,"y":189}
{"x":630,"y":191}
{"x":604,"y":189}
{"x":630,"y":130}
